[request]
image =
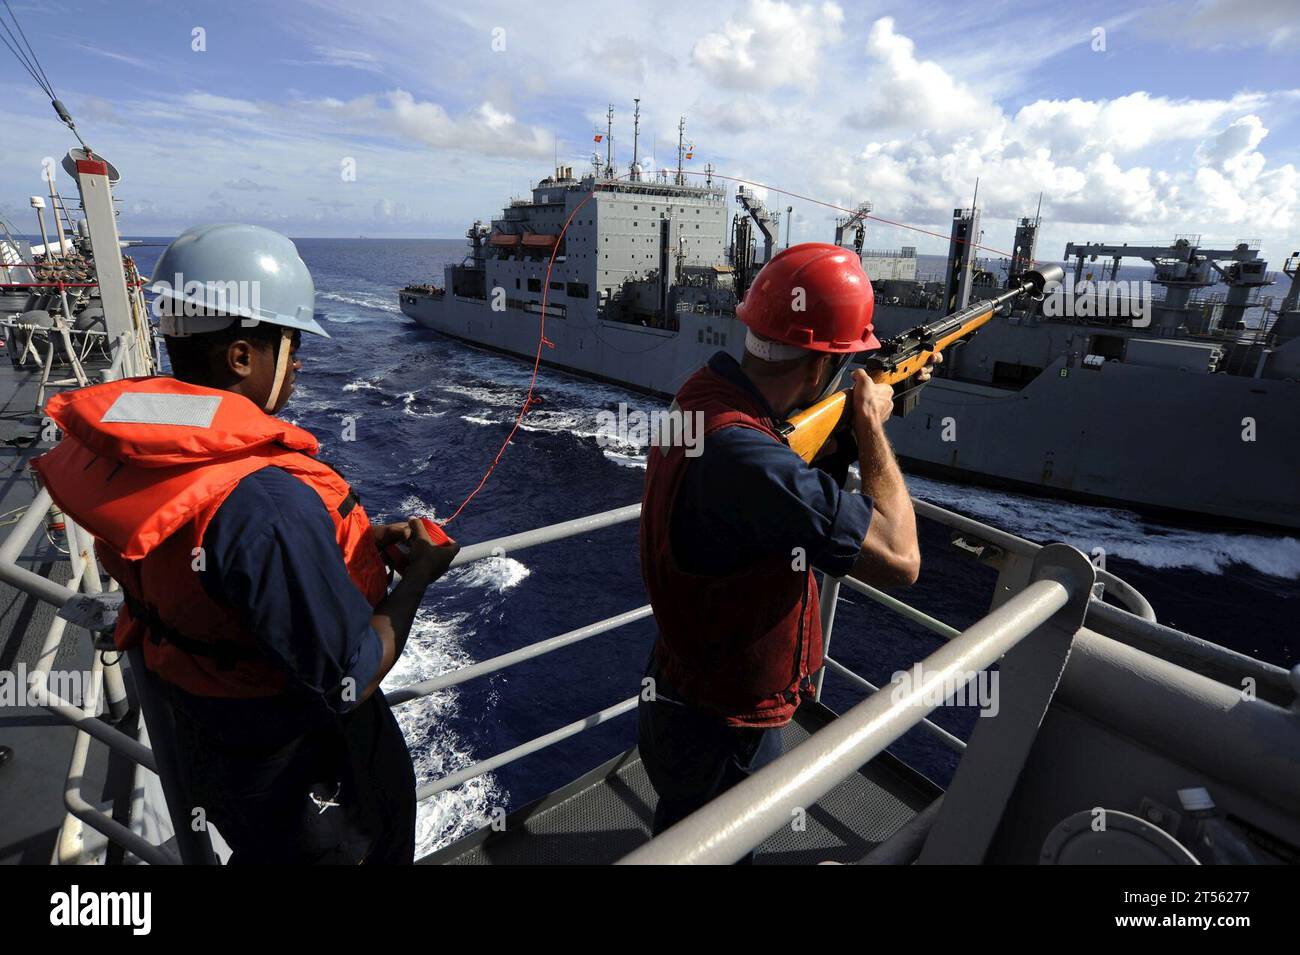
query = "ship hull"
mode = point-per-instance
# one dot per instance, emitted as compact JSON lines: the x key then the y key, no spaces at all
{"x":1219,"y":446}
{"x":650,"y":360}
{"x":1156,"y":440}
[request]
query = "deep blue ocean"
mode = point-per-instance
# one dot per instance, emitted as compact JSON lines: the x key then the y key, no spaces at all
{"x":431,"y":413}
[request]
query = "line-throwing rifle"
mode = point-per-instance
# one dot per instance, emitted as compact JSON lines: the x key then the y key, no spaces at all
{"x":902,"y":356}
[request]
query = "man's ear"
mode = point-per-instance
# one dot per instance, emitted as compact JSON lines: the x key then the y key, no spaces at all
{"x":239,"y":358}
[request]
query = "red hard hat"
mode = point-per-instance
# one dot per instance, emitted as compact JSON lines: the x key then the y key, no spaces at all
{"x":837,"y":300}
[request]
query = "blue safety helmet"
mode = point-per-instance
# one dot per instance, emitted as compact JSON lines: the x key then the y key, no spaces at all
{"x":213,"y":273}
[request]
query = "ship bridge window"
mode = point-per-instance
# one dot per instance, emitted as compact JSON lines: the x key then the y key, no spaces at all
{"x":577,"y":290}
{"x":557,"y":286}
{"x":534,"y":285}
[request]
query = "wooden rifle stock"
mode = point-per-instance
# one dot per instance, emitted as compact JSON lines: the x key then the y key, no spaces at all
{"x":901,"y":357}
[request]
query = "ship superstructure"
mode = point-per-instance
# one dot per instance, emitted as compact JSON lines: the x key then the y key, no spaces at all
{"x":640,"y":292}
{"x":1111,"y":391}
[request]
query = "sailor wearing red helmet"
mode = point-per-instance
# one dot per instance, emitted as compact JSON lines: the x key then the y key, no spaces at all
{"x":730,"y":537}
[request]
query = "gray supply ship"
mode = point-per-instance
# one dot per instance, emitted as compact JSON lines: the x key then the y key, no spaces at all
{"x":1186,"y":403}
{"x":1095,"y":695}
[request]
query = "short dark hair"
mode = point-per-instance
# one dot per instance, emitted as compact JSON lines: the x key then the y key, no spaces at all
{"x":192,"y":357}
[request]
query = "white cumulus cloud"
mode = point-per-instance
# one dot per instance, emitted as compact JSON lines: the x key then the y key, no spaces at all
{"x":1136,"y":161}
{"x":424,"y":121}
{"x":771,"y":44}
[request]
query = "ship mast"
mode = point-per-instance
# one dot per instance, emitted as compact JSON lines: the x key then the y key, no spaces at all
{"x":636,"y":132}
{"x":609,"y":142}
{"x":681,"y":133}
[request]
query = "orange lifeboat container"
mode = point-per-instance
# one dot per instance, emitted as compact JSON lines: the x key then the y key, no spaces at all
{"x":540,"y":241}
{"x":504,"y":240}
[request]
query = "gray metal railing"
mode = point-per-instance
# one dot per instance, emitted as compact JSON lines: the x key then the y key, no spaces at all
{"x":544,"y":535}
{"x":1017,"y":547}
{"x":954,"y":743}
{"x":1123,"y":591}
{"x":86,"y":812}
{"x":737,"y":821}
{"x":105,"y":683}
{"x":86,"y":578}
{"x":414,"y":691}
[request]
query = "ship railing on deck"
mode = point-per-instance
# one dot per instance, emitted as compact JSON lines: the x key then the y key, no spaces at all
{"x":1016,"y":551}
{"x":741,"y":818}
{"x":738,"y":821}
{"x":105,"y":689}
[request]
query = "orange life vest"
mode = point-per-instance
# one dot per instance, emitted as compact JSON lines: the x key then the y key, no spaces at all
{"x":143,"y":466}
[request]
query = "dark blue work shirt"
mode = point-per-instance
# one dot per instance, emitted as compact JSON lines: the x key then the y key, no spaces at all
{"x":746,"y":497}
{"x":272,"y":554}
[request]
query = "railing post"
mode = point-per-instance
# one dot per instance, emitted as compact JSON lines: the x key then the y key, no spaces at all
{"x":1000,"y":744}
{"x":830,"y":596}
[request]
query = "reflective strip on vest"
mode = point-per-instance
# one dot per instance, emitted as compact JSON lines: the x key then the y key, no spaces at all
{"x":141,"y":407}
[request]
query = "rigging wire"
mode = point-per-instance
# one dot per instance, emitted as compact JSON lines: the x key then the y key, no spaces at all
{"x":21,"y":48}
{"x":866,"y":215}
{"x":19,"y":55}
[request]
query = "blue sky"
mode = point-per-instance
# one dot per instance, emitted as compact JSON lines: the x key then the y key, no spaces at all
{"x":1177,"y":118}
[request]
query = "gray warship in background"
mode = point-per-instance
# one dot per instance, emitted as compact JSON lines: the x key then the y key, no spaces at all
{"x":1186,"y":403}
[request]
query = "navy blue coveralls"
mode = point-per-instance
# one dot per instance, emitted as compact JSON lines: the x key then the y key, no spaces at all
{"x":304,"y":776}
{"x":746,"y":499}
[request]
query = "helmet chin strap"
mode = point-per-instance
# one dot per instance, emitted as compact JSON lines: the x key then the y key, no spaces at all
{"x":282,"y":350}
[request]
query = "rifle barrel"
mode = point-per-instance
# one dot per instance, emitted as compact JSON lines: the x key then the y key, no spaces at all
{"x":1033,"y":281}
{"x":904,"y":355}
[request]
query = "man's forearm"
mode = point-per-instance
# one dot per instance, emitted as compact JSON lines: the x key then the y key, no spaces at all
{"x":392,"y":622}
{"x":890,"y":554}
{"x":882,"y":480}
